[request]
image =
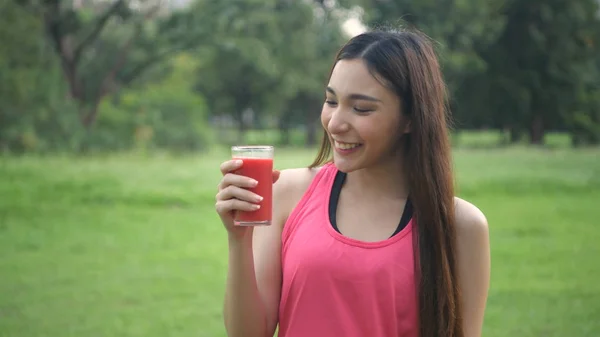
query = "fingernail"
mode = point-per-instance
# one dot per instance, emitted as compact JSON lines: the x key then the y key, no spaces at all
{"x":259,"y":198}
{"x":254,"y":182}
{"x":256,"y":206}
{"x":238,"y":162}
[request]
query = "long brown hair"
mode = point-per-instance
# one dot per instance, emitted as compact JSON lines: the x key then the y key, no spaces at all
{"x":405,"y":61}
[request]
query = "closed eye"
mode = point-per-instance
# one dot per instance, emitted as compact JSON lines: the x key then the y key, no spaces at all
{"x":333,"y":104}
{"x":362,"y":110}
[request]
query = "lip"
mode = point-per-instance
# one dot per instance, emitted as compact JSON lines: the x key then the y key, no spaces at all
{"x":346,"y":151}
{"x":344,"y":142}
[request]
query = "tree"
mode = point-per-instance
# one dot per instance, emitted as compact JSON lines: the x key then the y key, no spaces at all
{"x":31,"y":89}
{"x":271,"y":58}
{"x":458,"y":29}
{"x":541,"y":65}
{"x":108,"y":45}
{"x":164,"y":114}
{"x":310,"y":49}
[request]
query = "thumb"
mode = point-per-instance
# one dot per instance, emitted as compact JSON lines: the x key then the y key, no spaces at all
{"x":276,"y":175}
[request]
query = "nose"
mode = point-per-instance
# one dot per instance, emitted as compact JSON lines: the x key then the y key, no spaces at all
{"x":337,"y":122}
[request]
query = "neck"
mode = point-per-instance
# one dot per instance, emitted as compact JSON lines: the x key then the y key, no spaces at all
{"x":387,"y":180}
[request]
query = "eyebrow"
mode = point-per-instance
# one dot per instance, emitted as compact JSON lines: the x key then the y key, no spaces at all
{"x":356,"y":96}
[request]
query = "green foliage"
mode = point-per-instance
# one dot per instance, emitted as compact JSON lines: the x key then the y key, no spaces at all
{"x":541,"y":65}
{"x":584,"y":122}
{"x":34,"y":116}
{"x":103,"y":76}
{"x":520,"y":65}
{"x":271,"y":58}
{"x":166,"y":115}
{"x":456,"y":27}
{"x":59,"y":67}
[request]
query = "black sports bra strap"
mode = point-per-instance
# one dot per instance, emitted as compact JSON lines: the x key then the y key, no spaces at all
{"x":336,"y":189}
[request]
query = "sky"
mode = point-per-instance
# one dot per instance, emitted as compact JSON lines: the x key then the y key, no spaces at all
{"x":353,"y":27}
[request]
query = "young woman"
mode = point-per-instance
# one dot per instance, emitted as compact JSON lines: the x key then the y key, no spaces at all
{"x":369,"y":241}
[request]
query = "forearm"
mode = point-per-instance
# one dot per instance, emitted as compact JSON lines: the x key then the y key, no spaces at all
{"x":244,"y":311}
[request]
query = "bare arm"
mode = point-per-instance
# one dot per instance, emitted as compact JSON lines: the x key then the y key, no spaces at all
{"x":244,"y":310}
{"x":253,"y":288}
{"x":473,"y":252}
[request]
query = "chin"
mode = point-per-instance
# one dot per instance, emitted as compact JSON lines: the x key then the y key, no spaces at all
{"x":343,"y":165}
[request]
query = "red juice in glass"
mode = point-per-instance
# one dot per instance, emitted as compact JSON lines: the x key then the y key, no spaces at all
{"x":258,"y":165}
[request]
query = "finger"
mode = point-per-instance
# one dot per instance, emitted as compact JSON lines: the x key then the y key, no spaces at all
{"x":237,"y":180}
{"x":227,"y":206}
{"x":234,"y":192}
{"x":276,"y":175}
{"x":230,"y":165}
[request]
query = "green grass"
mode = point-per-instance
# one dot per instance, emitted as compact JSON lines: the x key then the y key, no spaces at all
{"x":124,"y":245}
{"x":495,"y":139}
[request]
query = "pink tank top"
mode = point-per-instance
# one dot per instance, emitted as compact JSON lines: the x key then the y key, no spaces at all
{"x":337,"y":286}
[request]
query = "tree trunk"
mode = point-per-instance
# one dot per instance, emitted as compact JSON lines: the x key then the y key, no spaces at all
{"x":311,"y":135}
{"x":90,"y":116}
{"x":536,"y":131}
{"x":241,"y":134}
{"x":312,"y":123}
{"x":284,"y":129}
{"x":515,"y":135}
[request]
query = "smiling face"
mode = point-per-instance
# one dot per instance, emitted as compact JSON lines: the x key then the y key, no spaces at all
{"x":362,"y":118}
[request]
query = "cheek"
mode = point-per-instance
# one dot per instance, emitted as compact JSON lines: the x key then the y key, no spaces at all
{"x":325,"y":116}
{"x":382,"y":132}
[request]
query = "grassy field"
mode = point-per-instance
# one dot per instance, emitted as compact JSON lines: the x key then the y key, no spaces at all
{"x":124,"y":245}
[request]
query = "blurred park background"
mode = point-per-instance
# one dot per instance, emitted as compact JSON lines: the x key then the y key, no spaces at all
{"x":115,"y":114}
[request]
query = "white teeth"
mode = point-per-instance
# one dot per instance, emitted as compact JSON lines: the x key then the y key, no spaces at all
{"x":345,"y":146}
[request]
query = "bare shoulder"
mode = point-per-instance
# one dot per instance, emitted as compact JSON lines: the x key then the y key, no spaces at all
{"x":291,"y":180}
{"x":474,"y":263}
{"x":469,"y":218}
{"x":472,"y":232}
{"x":289,"y":189}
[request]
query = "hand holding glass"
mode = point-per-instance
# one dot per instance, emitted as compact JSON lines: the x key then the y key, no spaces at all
{"x":258,"y":165}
